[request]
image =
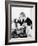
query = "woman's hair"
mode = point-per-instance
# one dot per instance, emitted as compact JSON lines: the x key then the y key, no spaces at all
{"x":22,"y":14}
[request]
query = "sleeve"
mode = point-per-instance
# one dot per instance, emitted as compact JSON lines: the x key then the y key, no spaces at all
{"x":28,"y":21}
{"x":14,"y":20}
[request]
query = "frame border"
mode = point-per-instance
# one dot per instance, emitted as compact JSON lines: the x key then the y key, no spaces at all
{"x":6,"y":28}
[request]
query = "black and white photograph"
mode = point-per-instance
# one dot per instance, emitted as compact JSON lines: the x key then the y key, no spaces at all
{"x":22,"y":22}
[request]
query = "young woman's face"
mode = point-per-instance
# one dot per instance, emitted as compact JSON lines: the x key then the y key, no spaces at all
{"x":22,"y":17}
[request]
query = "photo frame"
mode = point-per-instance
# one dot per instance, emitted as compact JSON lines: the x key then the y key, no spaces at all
{"x":15,"y":11}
